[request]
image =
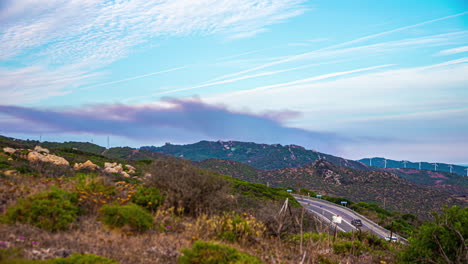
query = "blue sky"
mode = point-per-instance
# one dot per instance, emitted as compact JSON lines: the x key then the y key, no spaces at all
{"x":351,"y":78}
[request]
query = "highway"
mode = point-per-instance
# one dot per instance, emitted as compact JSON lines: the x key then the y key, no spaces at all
{"x":326,"y":210}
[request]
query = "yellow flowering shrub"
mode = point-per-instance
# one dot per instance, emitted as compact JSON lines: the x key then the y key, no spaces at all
{"x":230,"y":226}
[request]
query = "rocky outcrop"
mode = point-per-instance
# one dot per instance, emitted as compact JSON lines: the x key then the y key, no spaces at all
{"x":88,"y":165}
{"x":9,"y":150}
{"x":131,"y":169}
{"x":35,"y":156}
{"x":114,"y":167}
{"x":41,"y":149}
{"x":48,"y":253}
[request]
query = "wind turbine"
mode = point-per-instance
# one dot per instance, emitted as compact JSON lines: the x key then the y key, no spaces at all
{"x":385,"y":162}
{"x":370,"y":161}
{"x":435,"y":166}
{"x":419,"y":165}
{"x":451,"y":167}
{"x":466,"y":171}
{"x":404,"y":163}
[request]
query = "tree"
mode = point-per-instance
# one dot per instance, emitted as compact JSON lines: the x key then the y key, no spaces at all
{"x":442,"y":241}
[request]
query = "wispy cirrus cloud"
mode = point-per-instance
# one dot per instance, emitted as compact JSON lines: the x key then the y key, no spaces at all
{"x":84,"y":35}
{"x":326,"y":57}
{"x":454,"y":51}
{"x":339,"y":47}
{"x":336,"y":103}
{"x":76,"y":28}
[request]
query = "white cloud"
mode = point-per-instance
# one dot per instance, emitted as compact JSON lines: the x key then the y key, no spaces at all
{"x":76,"y":28}
{"x":351,"y":52}
{"x":30,"y":84}
{"x":79,"y":36}
{"x":329,"y":104}
{"x":454,"y":51}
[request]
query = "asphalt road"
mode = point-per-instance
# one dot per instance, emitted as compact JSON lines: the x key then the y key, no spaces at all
{"x":326,"y":210}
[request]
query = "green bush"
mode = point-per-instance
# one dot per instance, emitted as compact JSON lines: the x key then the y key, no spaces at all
{"x":148,"y":197}
{"x":309,"y":236}
{"x":260,"y":191}
{"x":440,"y":241}
{"x":306,"y":192}
{"x":84,"y":259}
{"x":8,"y":254}
{"x":73,"y":259}
{"x":131,"y":215}
{"x":4,"y":164}
{"x":53,"y":210}
{"x":211,"y":253}
{"x":347,"y":247}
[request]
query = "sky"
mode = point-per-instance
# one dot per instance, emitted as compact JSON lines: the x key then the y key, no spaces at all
{"x":354,"y":79}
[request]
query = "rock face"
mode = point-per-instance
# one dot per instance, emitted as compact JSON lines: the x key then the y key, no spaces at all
{"x":41,"y":149}
{"x":9,"y":150}
{"x":56,"y":160}
{"x":88,"y":165}
{"x":130,"y":168}
{"x":114,"y":167}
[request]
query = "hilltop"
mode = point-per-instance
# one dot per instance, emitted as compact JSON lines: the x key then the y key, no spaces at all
{"x":260,"y":156}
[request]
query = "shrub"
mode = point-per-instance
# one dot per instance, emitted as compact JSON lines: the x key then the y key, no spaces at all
{"x":230,"y":227}
{"x":305,"y":191}
{"x":53,"y":210}
{"x":93,"y":191}
{"x":196,"y":191}
{"x":211,"y":253}
{"x":309,"y":236}
{"x":440,"y":241}
{"x":4,"y":164}
{"x":148,"y":197}
{"x":324,"y":260}
{"x":83,"y":259}
{"x":346,"y":247}
{"x":8,"y":254}
{"x":261,"y":191}
{"x":131,"y":215}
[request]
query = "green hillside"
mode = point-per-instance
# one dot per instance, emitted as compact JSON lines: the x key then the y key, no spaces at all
{"x":260,"y":156}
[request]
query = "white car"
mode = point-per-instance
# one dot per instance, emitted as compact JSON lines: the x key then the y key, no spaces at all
{"x":393,"y":239}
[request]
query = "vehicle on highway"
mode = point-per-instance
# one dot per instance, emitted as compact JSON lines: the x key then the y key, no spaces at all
{"x":393,"y":239}
{"x":356,"y":222}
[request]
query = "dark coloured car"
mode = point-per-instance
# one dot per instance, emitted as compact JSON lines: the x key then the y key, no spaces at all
{"x":356,"y":222}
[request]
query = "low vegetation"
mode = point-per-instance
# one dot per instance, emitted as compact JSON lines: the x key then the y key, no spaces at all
{"x":213,"y":253}
{"x":171,"y":212}
{"x":52,"y":210}
{"x":132,"y":216}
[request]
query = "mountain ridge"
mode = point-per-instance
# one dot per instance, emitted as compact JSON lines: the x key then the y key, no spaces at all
{"x":260,"y":156}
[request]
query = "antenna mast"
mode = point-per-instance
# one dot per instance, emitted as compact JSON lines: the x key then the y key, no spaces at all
{"x":385,"y":161}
